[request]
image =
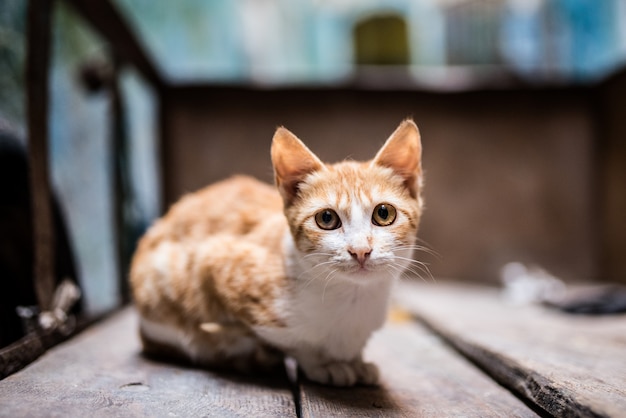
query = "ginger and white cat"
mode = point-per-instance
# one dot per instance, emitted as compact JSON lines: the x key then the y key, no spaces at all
{"x":240,"y":274}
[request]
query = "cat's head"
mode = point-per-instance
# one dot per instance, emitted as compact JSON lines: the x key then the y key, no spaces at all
{"x":354,"y":218}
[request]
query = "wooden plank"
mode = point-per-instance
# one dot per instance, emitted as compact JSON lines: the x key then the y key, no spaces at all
{"x":102,"y":373}
{"x":21,"y":353}
{"x":567,"y":365}
{"x":421,"y":377}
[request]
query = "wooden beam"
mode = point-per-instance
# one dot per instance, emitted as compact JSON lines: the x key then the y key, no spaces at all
{"x":37,"y":65}
{"x":112,"y":26}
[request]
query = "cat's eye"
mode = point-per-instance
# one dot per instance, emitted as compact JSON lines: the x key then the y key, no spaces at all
{"x":384,"y":214}
{"x":327,"y":219}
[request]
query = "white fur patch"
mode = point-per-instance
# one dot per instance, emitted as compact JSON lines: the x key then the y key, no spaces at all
{"x":165,"y":334}
{"x":194,"y":346}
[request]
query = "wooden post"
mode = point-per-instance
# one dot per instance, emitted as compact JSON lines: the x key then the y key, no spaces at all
{"x":37,"y":66}
{"x":122,"y":193}
{"x":109,"y":22}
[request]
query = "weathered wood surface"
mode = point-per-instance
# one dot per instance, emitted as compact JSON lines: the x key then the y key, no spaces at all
{"x":565,"y":365}
{"x":102,"y":373}
{"x":421,"y":377}
{"x":568,"y":365}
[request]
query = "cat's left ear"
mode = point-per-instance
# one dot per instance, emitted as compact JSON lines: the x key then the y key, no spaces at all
{"x":292,"y":161}
{"x":403,"y":154}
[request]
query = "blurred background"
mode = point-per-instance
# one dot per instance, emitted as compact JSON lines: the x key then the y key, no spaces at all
{"x":521,"y":106}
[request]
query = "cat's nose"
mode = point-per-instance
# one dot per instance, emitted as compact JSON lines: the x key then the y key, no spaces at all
{"x":360,"y":254}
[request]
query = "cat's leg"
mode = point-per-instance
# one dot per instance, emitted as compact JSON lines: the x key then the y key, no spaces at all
{"x":321,"y":369}
{"x":367,"y":373}
{"x":231,"y":346}
{"x":194,"y":302}
{"x":235,"y":347}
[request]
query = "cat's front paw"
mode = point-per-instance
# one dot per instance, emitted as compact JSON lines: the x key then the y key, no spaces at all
{"x":343,"y":373}
{"x":367,"y":373}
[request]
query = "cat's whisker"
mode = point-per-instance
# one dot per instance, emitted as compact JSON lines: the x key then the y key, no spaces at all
{"x":423,"y":242}
{"x":311,"y":280}
{"x":415,"y":245}
{"x":410,"y":260}
{"x":422,"y":266}
{"x":389,"y":270}
{"x":410,"y":274}
{"x":417,"y":267}
{"x":426,"y":271}
{"x":420,"y":248}
{"x":404,"y":272}
{"x":315,"y":277}
{"x":317,"y":254}
{"x":396,"y":270}
{"x":317,"y":266}
{"x":324,"y":263}
{"x":328,"y":279}
{"x":427,"y":279}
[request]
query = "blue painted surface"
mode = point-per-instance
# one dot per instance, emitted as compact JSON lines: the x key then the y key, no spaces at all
{"x":286,"y":41}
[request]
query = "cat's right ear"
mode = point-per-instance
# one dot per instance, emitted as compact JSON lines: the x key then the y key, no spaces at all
{"x":292,"y":161}
{"x":403,"y":154}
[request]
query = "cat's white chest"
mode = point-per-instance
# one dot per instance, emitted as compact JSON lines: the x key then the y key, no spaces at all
{"x":336,"y":319}
{"x":344,"y":318}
